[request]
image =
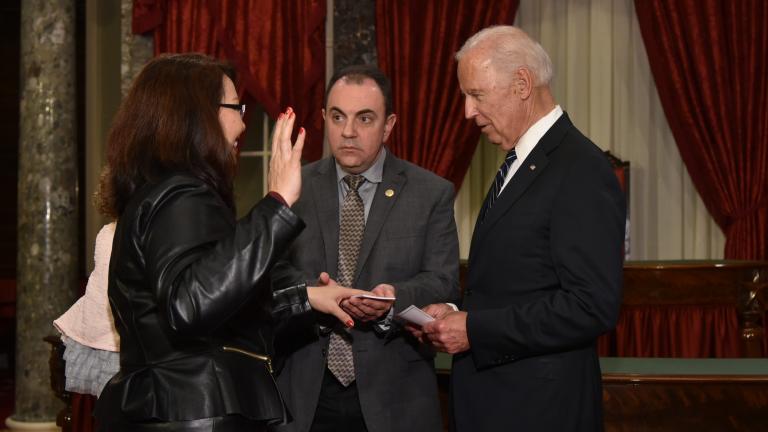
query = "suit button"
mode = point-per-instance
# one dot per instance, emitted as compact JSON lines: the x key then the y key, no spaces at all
{"x":325,"y":352}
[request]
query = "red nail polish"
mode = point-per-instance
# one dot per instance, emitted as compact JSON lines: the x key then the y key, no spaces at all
{"x":301,"y":130}
{"x":350,"y":323}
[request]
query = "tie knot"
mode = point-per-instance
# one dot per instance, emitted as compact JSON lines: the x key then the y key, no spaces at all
{"x":354,"y":181}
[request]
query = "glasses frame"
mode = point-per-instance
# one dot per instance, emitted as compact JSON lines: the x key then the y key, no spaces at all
{"x":237,"y":107}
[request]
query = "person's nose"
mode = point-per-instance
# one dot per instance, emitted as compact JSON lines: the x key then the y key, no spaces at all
{"x":349,"y":130}
{"x":469,"y":108}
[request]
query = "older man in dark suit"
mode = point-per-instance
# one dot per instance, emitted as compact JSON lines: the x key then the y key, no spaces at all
{"x":545,"y":265}
{"x":381,"y":224}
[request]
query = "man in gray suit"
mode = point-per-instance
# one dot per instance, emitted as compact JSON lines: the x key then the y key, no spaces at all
{"x":381,"y":379}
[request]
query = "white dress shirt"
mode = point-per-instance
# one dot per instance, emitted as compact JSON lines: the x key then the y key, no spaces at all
{"x":528,"y":141}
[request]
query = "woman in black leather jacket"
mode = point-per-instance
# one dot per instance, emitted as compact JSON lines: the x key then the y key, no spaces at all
{"x":188,"y":284}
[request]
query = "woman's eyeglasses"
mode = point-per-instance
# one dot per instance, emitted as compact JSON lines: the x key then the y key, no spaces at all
{"x":236,"y":107}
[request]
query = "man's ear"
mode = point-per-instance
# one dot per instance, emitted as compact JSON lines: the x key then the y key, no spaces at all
{"x":524,"y":82}
{"x":322,"y":110}
{"x":388,"y":125}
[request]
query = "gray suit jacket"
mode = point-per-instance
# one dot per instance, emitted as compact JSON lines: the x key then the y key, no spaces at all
{"x":410,"y":241}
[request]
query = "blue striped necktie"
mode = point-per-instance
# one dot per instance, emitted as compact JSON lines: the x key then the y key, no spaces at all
{"x":501,"y":174}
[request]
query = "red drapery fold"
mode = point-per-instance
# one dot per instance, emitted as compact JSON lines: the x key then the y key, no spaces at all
{"x":674,"y":331}
{"x":146,"y":16}
{"x":416,"y":42}
{"x":277,"y":47}
{"x":709,"y":59}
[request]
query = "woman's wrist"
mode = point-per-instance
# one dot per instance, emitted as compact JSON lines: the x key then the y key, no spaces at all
{"x":278,"y":197}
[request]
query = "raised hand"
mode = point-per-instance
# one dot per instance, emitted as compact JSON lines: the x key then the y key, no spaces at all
{"x":285,"y":163}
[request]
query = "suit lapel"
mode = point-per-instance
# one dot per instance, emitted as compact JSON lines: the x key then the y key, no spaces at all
{"x":326,"y":199}
{"x":475,"y":235}
{"x":392,"y":178}
{"x":476,"y":230}
{"x":531,"y":168}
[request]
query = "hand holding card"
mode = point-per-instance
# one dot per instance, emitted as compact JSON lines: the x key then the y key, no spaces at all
{"x":414,"y":315}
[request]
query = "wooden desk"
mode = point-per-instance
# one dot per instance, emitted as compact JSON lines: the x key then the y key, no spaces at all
{"x":663,"y":394}
{"x":740,"y":284}
{"x":652,"y":394}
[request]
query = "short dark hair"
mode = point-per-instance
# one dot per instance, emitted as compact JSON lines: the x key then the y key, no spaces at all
{"x":356,"y":74}
{"x":169,"y":122}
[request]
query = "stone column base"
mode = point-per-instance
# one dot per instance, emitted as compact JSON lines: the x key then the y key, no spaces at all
{"x":18,"y":426}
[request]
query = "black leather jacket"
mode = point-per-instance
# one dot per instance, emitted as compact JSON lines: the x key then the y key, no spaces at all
{"x":190,"y":292}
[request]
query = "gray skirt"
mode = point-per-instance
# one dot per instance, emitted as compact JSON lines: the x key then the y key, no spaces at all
{"x":87,"y":369}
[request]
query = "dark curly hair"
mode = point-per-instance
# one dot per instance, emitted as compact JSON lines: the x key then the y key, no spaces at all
{"x":169,"y":123}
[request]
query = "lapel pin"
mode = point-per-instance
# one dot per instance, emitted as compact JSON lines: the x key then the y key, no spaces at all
{"x":389,"y":193}
{"x":532,"y":167}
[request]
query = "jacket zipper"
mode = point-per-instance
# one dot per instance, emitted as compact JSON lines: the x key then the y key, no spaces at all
{"x":264,"y":358}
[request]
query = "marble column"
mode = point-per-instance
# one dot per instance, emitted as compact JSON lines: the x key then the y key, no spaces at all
{"x":136,"y":50}
{"x":354,"y":32}
{"x":47,"y":192}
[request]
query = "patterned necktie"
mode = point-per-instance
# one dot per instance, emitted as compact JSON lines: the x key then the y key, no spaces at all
{"x":351,"y":228}
{"x":501,"y":174}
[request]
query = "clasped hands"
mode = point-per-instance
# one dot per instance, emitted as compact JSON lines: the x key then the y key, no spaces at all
{"x":330,"y":297}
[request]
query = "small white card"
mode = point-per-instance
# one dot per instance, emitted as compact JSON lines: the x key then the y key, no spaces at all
{"x":414,"y":315}
{"x":373,"y":297}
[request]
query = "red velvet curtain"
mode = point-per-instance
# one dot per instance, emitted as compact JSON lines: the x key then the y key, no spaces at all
{"x":416,"y":42}
{"x":277,"y":47}
{"x":674,"y":331}
{"x":709,"y":59}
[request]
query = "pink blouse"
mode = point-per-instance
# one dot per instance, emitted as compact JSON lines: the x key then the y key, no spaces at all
{"x":89,"y":321}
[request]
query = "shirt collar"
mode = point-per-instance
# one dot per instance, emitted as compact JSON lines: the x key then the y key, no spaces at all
{"x":373,"y":174}
{"x":532,"y":136}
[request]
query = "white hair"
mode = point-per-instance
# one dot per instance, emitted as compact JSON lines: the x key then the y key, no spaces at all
{"x":511,"y":48}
